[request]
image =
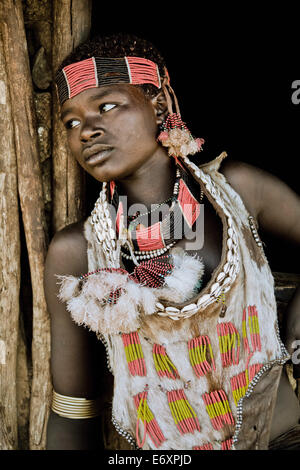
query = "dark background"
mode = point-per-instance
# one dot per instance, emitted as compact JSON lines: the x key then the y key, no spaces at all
{"x":233,"y":77}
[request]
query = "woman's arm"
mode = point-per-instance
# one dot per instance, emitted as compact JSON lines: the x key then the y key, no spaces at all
{"x":277,"y":210}
{"x":76,"y":354}
{"x":274,"y":204}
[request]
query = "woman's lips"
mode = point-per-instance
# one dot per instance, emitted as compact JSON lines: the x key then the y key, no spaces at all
{"x":98,"y":157}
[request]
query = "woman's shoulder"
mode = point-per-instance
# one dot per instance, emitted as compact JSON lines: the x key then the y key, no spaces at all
{"x":244,"y":179}
{"x":67,"y":252}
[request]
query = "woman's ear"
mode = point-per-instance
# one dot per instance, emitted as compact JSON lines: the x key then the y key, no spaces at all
{"x":159,"y":103}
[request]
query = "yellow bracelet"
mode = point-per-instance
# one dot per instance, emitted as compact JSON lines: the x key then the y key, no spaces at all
{"x":75,"y":408}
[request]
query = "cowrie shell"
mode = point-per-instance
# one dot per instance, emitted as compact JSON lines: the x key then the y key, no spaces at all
{"x":172,"y":310}
{"x":220,"y":276}
{"x":214,"y":287}
{"x":226,"y":267}
{"x":188,"y":308}
{"x":160,"y":306}
{"x":203,"y":299}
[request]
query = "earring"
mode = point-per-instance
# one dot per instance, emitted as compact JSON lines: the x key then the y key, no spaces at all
{"x":174,"y":133}
{"x":176,"y":136}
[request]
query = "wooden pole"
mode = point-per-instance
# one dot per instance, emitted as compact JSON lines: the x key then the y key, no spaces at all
{"x":71,"y":27}
{"x":32,"y":207}
{"x":9,"y":268}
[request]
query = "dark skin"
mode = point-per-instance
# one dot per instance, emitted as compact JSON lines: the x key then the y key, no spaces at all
{"x":122,"y":120}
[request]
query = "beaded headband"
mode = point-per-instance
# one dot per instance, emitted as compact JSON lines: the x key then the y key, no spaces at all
{"x":100,"y":71}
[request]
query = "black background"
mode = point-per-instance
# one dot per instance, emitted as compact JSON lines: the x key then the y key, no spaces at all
{"x":232,"y":74}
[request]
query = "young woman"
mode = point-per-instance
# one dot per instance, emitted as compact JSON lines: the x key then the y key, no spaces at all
{"x":169,"y":272}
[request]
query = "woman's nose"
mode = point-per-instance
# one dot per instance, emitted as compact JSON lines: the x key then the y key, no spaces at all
{"x":91,"y":130}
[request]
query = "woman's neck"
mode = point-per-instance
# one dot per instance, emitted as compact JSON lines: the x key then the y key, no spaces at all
{"x":150,"y":184}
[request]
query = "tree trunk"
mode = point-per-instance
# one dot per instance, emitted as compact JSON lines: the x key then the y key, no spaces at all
{"x":71,"y":27}
{"x":9,"y":268}
{"x":32,"y":208}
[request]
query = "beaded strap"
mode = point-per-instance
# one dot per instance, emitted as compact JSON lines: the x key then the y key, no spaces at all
{"x":163,"y":365}
{"x":151,"y":426}
{"x":102,"y":71}
{"x":218,"y":409}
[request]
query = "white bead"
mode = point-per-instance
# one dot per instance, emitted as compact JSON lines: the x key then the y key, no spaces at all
{"x":229,"y":256}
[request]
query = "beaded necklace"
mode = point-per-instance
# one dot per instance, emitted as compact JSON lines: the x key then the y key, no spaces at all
{"x":156,"y":239}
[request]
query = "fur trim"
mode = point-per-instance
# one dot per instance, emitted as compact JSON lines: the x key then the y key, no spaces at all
{"x":87,"y":307}
{"x":69,"y":287}
{"x":181,"y":283}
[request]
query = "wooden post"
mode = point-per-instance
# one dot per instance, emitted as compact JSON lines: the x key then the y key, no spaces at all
{"x":71,"y":27}
{"x":32,"y":207}
{"x":9,"y":268}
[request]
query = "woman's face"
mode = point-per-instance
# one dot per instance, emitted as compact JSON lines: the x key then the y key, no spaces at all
{"x":111,"y":130}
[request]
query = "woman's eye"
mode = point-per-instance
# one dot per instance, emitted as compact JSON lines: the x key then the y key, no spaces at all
{"x":72,"y":123}
{"x":107,"y":107}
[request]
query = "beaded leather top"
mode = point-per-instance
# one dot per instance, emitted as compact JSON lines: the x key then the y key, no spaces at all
{"x":200,"y":373}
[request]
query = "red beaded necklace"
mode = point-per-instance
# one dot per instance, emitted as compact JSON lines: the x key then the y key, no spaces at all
{"x":154,"y":240}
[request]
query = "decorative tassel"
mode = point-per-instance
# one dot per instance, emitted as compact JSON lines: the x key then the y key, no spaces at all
{"x":207,"y":446}
{"x":254,"y":328}
{"x":218,"y":409}
{"x":183,"y":414}
{"x":134,"y":353}
{"x":178,"y":138}
{"x":152,"y":272}
{"x":240,"y":382}
{"x":151,"y":426}
{"x":163,"y":364}
{"x":229,"y":342}
{"x":226,"y":445}
{"x":197,"y":353}
{"x":254,"y":331}
{"x":244,"y":330}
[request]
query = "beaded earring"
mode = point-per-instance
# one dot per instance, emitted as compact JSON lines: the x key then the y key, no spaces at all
{"x":174,"y":133}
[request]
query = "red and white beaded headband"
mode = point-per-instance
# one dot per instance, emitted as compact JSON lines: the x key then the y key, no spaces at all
{"x":100,"y":71}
